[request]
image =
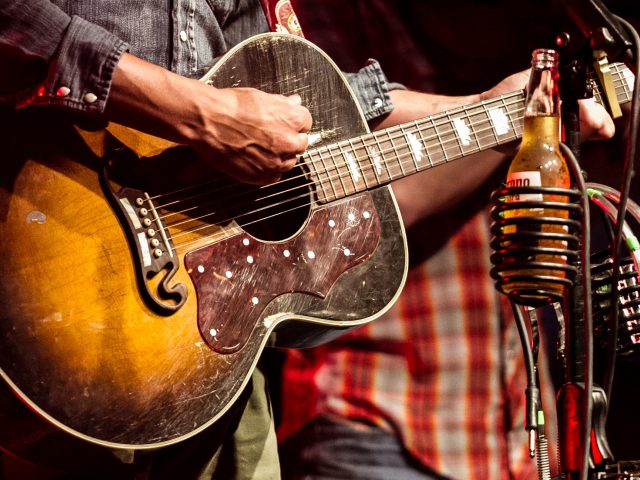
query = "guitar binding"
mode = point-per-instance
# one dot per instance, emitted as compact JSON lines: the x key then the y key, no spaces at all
{"x":150,"y":244}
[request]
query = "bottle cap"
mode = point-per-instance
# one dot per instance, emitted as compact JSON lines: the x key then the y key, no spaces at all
{"x":544,"y":57}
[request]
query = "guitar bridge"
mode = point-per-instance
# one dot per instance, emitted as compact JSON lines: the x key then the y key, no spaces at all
{"x":151,"y":246}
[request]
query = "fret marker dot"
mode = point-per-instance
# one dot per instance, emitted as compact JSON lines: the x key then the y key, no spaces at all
{"x":249,"y":259}
{"x":245,"y":242}
{"x":200,"y":269}
{"x":286,"y":253}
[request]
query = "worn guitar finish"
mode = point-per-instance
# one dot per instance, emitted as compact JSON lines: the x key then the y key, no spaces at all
{"x":133,"y":317}
{"x":82,"y":346}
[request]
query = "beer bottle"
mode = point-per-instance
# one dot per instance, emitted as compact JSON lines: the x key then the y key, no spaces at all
{"x":538,"y":163}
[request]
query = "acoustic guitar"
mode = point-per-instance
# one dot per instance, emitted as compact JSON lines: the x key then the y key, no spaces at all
{"x":138,"y":292}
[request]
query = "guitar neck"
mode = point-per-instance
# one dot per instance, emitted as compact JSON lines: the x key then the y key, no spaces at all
{"x":358,"y":164}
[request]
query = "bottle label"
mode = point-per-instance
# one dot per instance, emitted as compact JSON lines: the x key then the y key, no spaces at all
{"x":524,"y":179}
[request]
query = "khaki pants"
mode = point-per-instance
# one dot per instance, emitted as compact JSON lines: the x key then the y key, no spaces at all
{"x":241,"y":445}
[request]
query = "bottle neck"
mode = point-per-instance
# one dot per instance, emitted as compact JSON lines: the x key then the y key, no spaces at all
{"x":543,"y":94}
{"x":541,"y":130}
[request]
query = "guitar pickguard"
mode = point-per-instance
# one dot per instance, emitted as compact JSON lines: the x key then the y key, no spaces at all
{"x":236,"y":279}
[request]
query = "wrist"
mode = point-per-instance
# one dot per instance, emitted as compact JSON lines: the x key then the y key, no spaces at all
{"x":151,"y":99}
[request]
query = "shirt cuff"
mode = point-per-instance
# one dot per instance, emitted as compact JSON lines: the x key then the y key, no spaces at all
{"x":80,"y":77}
{"x":371,"y":88}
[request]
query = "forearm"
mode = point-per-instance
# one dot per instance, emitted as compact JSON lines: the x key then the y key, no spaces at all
{"x":153,"y":100}
{"x":445,"y":187}
{"x":441,"y":188}
{"x":410,"y":105}
{"x":251,"y":135}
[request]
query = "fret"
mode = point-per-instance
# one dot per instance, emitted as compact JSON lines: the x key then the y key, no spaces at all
{"x":464,"y":132}
{"x":619,"y":80}
{"x":318,"y":174}
{"x":480,"y":128}
{"x":500,"y":125}
{"x":461,"y":133}
{"x":514,"y":106}
{"x":392,"y":153}
{"x":402,"y":160}
{"x":628,"y":81}
{"x":361,"y":163}
{"x":422,"y":132}
{"x":449,"y":137}
{"x":477,"y":125}
{"x":375,"y":155}
{"x":330,"y":174}
{"x":368,"y":164}
{"x":410,"y":156}
{"x":598,"y":96}
{"x":622,"y":80}
{"x":358,"y":164}
{"x":440,"y":155}
{"x":345,"y":170}
{"x":342,"y":171}
{"x":418,"y":149}
{"x":620,"y":85}
{"x":498,"y":119}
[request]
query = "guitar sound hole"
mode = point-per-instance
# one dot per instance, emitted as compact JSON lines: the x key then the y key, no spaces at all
{"x":276,"y":212}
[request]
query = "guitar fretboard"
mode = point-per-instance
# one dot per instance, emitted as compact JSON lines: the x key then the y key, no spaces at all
{"x":358,"y":164}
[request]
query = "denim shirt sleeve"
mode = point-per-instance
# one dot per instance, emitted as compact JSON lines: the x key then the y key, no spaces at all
{"x":371,"y":89}
{"x":63,"y":61}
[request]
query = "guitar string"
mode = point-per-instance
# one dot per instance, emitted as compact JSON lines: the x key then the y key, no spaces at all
{"x":336,"y":168}
{"x":263,"y":208}
{"x":619,"y":79}
{"x":182,"y":245}
{"x":338,"y":175}
{"x":321,"y":160}
{"x":338,"y":172}
{"x":308,"y":153}
{"x":332,"y":174}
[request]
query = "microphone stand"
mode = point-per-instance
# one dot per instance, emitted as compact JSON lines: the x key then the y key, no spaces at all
{"x":585,"y":435}
{"x":582,"y":448}
{"x":572,"y":407}
{"x":601,"y":29}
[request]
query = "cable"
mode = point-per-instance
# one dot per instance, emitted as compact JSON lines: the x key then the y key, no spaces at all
{"x":628,"y":173}
{"x":585,"y":260}
{"x":532,"y":391}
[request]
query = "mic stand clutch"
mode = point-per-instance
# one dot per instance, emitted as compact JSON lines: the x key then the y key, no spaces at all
{"x":601,"y":30}
{"x":602,"y":38}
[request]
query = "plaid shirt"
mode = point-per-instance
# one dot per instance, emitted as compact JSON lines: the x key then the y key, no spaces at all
{"x":443,"y":368}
